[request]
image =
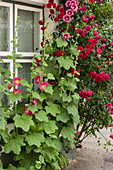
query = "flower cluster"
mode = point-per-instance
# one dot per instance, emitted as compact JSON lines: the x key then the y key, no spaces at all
{"x":110,"y":107}
{"x":99,"y":77}
{"x":85,"y":94}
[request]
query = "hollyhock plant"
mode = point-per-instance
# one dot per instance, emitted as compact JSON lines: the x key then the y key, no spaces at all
{"x":42,"y":85}
{"x":17,"y":81}
{"x":10,"y":85}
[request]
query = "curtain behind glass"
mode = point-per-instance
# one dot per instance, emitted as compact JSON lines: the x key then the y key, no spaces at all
{"x":29,"y":36}
{"x":4,"y":28}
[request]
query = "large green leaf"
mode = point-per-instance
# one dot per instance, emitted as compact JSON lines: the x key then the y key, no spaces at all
{"x":52,"y":108}
{"x":65,"y":62}
{"x":14,"y":97}
{"x":54,"y":143}
{"x":24,"y":83}
{"x":63,"y":116}
{"x":2,"y":123}
{"x":73,"y":111}
{"x":11,"y":167}
{"x":14,"y":145}
{"x":5,"y":135}
{"x":50,"y":76}
{"x":68,"y":132}
{"x":23,"y":122}
{"x":48,"y":127}
{"x":33,"y":108}
{"x":48,"y":89}
{"x":41,"y":116}
{"x":35,"y":138}
{"x":41,"y":96}
{"x":65,"y":97}
{"x":61,"y":42}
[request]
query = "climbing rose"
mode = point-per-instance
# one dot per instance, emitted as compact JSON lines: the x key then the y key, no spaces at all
{"x":42,"y":85}
{"x":17,"y":81}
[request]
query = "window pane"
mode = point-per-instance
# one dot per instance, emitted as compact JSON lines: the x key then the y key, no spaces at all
{"x":2,"y":78}
{"x":29,"y":37}
{"x":4,"y":28}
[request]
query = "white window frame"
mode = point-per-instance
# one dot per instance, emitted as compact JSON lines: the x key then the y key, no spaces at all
{"x":10,"y":6}
{"x":29,"y":54}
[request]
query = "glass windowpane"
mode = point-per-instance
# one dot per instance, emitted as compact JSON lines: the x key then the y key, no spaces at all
{"x":29,"y":31}
{"x":4,"y":28}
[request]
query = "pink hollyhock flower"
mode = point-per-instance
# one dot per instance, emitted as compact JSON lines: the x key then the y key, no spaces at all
{"x":91,"y":118}
{"x":17,"y":81}
{"x":35,"y":101}
{"x":10,"y":85}
{"x":66,"y":18}
{"x":111,"y":43}
{"x":17,"y":91}
{"x":69,"y":12}
{"x":80,"y":31}
{"x":103,"y":46}
{"x":104,"y":40}
{"x":111,"y":136}
{"x":100,"y":1}
{"x":73,"y":2}
{"x":42,"y":85}
{"x":37,"y":79}
{"x":28,"y":112}
{"x":80,"y":48}
{"x":68,"y":3}
{"x":41,"y":22}
{"x":66,"y":35}
{"x":74,"y":7}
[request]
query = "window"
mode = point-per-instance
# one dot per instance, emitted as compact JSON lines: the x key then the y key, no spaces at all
{"x":29,"y":35}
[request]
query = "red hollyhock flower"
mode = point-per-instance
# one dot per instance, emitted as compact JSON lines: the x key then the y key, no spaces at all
{"x":28,"y":112}
{"x":111,"y":136}
{"x":35,"y":101}
{"x":43,"y":5}
{"x":37,"y":79}
{"x":17,"y":81}
{"x":42,"y":85}
{"x":17,"y":91}
{"x":51,"y":1}
{"x":10,"y":85}
{"x":52,"y":11}
{"x":41,"y":22}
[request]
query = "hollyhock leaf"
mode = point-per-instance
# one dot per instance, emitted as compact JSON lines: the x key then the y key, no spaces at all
{"x":14,"y":145}
{"x":56,"y":93}
{"x":74,"y":111}
{"x":63,"y":116}
{"x":76,"y":96}
{"x":65,"y":62}
{"x":52,"y":108}
{"x":68,"y":133}
{"x":1,"y":165}
{"x":69,"y":75}
{"x":56,"y":165}
{"x":33,"y":108}
{"x":41,"y":96}
{"x":41,"y":116}
{"x":66,"y":98}
{"x":39,"y":70}
{"x":20,"y":107}
{"x":2,"y":123}
{"x":23,"y":122}
{"x":24,"y":83}
{"x":20,"y":55}
{"x":50,"y":76}
{"x":11,"y":167}
{"x":10,"y":57}
{"x":35,"y":138}
{"x":2,"y":88}
{"x":48,"y":50}
{"x":48,"y":89}
{"x":61,"y":42}
{"x":48,"y":127}
{"x":14,"y":97}
{"x":54,"y":143}
{"x":18,"y":65}
{"x":5,"y":135}
{"x":74,"y":50}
